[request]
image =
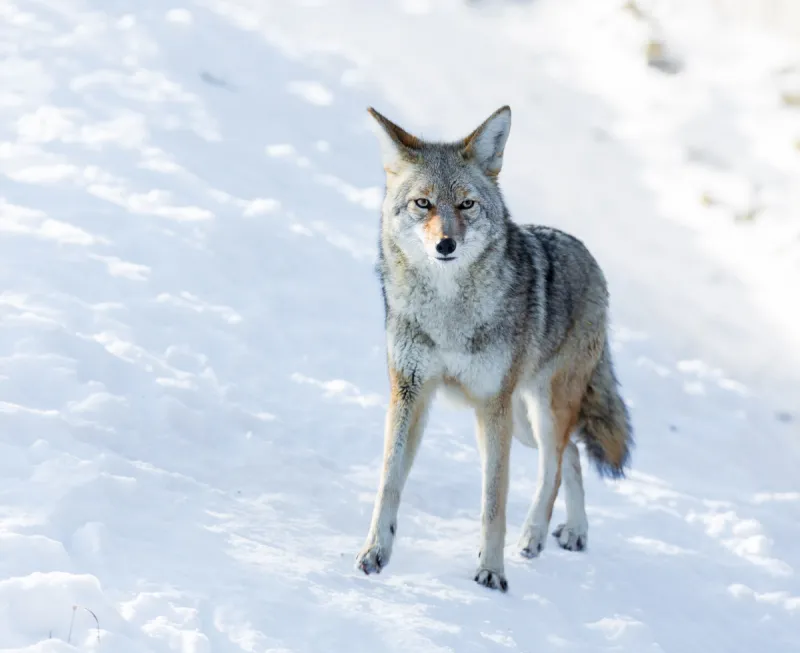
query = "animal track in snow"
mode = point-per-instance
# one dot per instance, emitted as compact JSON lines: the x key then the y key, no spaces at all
{"x":697,"y":375}
{"x":193,"y":303}
{"x":703,"y":374}
{"x":777,"y":497}
{"x":658,"y":547}
{"x":179,"y":16}
{"x":151,"y":88}
{"x":342,"y":391}
{"x":165,"y":616}
{"x":742,"y":537}
{"x":782,"y":599}
{"x":287,"y":151}
{"x":21,"y":220}
{"x":312,"y":92}
{"x":368,"y":198}
{"x":250,"y":208}
{"x":119,"y":268}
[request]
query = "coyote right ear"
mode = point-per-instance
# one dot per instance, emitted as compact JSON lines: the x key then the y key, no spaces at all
{"x":398,"y":147}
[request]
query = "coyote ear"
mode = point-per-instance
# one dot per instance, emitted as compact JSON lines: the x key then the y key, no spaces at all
{"x":486,"y":144}
{"x":398,"y":147}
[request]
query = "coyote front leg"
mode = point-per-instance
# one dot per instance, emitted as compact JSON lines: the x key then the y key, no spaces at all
{"x":494,"y":442}
{"x":405,"y":421}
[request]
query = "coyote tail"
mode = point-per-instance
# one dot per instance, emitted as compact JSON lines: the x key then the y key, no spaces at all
{"x":605,"y":423}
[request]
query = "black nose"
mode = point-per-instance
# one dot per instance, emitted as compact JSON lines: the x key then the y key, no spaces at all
{"x":446,"y":246}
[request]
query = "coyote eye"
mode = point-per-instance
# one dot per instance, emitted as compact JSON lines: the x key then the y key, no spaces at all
{"x":423,"y":203}
{"x":467,"y":204}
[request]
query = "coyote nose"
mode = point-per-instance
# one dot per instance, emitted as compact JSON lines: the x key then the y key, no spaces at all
{"x":446,"y":246}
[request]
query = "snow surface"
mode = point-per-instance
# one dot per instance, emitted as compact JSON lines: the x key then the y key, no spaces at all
{"x":192,"y":376}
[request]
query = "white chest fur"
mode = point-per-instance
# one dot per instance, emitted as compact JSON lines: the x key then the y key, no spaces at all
{"x":481,"y":374}
{"x":450,"y":317}
{"x":453,"y":354}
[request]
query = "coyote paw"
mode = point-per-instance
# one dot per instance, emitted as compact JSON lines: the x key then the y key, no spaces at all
{"x":572,"y":537}
{"x":532,"y":542}
{"x":372,"y":559}
{"x":492,"y":579}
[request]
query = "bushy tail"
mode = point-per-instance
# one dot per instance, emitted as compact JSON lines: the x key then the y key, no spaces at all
{"x":605,"y":423}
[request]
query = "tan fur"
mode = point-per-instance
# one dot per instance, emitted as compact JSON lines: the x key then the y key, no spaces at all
{"x":565,"y":400}
{"x":495,"y":425}
{"x":601,"y":412}
{"x":435,"y":230}
{"x":434,"y":227}
{"x":418,"y":405}
{"x":568,"y":385}
{"x":405,"y":421}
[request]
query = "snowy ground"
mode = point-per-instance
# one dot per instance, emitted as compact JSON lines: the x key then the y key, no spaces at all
{"x":192,"y":378}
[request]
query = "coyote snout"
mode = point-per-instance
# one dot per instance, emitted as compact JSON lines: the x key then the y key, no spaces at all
{"x":441,"y":233}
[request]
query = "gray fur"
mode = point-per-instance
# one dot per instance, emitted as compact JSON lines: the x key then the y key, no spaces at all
{"x":515,"y":324}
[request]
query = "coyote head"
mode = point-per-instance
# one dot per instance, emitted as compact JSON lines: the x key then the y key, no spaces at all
{"x":443,"y":206}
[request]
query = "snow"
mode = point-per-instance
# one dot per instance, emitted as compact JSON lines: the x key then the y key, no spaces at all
{"x":192,"y":372}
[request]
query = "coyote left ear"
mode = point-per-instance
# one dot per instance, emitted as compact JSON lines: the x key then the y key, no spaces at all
{"x":486,"y":144}
{"x":398,"y":147}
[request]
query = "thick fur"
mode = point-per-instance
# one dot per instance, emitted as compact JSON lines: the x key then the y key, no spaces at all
{"x":513,"y":321}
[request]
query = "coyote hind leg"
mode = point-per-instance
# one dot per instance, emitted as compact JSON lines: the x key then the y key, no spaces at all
{"x":573,"y":534}
{"x":553,"y":411}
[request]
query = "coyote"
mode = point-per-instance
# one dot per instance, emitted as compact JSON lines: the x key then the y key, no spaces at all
{"x":511,"y":319}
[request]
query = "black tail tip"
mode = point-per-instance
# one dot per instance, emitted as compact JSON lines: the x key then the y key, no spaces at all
{"x":604,"y":467}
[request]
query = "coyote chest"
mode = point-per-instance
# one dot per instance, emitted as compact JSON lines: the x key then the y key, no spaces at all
{"x":452,"y":342}
{"x":476,"y":375}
